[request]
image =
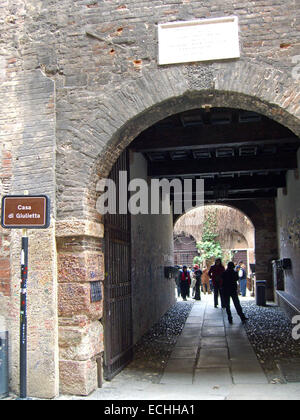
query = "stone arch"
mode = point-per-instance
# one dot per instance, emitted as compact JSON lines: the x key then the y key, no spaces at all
{"x":251,"y":211}
{"x":125,"y":113}
{"x":238,"y":237}
{"x":103,"y":133}
{"x":248,"y":237}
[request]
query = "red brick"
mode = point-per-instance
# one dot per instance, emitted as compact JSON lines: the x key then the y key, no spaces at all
{"x":4,"y":274}
{"x":4,"y":264}
{"x":5,"y":288}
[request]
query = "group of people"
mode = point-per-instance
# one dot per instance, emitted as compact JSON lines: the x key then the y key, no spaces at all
{"x":224,"y":283}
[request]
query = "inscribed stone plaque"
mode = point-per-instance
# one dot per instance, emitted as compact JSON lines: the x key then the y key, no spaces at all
{"x":198,"y":40}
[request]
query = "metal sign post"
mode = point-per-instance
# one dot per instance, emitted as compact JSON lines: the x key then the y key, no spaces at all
{"x":23,"y":315}
{"x":24,"y":212}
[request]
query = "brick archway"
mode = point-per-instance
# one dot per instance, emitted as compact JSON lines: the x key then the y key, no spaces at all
{"x":254,"y":213}
{"x":173,"y":90}
{"x":250,"y":210}
{"x":103,"y":134}
{"x":124,"y":113}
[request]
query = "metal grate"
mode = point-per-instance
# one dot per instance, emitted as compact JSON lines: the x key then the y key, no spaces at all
{"x":96,"y":291}
{"x":118,"y":300}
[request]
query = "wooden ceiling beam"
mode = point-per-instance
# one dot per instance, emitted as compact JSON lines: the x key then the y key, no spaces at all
{"x":243,"y":164}
{"x":244,"y":183}
{"x":205,"y":136}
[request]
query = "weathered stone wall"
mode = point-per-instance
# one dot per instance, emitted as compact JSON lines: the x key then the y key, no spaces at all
{"x":80,"y":262}
{"x":79,"y":81}
{"x":28,"y":132}
{"x":8,"y":66}
{"x":262,"y":214}
{"x":118,"y":68}
{"x":266,"y":249}
{"x":5,"y":186}
{"x":28,"y":152}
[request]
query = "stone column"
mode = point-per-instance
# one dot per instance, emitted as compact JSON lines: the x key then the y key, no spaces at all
{"x":80,"y":262}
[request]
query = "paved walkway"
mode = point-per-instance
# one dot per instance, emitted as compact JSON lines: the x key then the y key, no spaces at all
{"x":212,"y":360}
{"x":212,"y":352}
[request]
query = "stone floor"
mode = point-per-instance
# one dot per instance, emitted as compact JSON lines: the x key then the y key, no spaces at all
{"x":210,"y":351}
{"x":211,"y":360}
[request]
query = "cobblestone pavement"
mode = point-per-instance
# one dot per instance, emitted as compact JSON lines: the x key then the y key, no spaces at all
{"x":270,"y":333}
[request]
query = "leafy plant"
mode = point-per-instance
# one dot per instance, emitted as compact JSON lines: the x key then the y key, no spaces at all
{"x":197,"y":260}
{"x":209,"y":247}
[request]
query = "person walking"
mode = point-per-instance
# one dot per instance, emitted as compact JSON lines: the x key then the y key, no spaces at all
{"x":229,"y":289}
{"x":193,"y":281}
{"x":184,"y":278}
{"x":215,"y":273}
{"x":177,"y":281}
{"x":197,"y":275}
{"x":242,"y":274}
{"x":206,"y":281}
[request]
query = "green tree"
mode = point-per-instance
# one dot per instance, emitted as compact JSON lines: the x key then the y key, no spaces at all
{"x":209,"y":247}
{"x":197,"y":260}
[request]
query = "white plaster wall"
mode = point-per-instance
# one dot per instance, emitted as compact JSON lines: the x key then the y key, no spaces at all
{"x":152,"y":249}
{"x":288,"y":229}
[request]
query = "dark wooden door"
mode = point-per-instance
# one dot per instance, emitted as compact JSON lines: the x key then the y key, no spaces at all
{"x":240,"y":255}
{"x":118,"y":299}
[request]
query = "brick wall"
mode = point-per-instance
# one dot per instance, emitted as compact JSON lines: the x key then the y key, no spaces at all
{"x":95,"y":49}
{"x":80,"y":262}
{"x":103,"y":56}
{"x":5,"y":182}
{"x":27,"y":159}
{"x":106,"y":88}
{"x":4,"y":264}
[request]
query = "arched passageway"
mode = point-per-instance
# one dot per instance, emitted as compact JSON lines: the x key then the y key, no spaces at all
{"x":82,"y":84}
{"x":242,"y":154}
{"x":233,"y":230}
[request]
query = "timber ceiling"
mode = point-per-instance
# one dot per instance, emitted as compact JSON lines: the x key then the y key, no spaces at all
{"x":239,"y":154}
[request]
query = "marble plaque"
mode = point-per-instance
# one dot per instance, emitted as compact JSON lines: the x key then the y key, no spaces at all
{"x":198,"y":40}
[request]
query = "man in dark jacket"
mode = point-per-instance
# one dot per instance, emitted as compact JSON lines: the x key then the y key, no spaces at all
{"x":215,"y":273}
{"x":230,"y":278}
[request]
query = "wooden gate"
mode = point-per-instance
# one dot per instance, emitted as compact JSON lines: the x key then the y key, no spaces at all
{"x":118,"y":300}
